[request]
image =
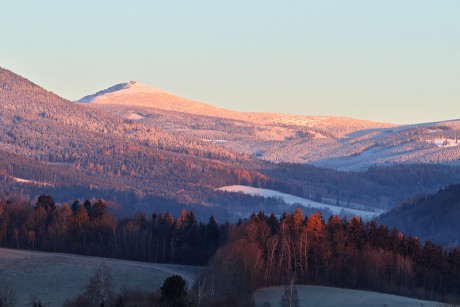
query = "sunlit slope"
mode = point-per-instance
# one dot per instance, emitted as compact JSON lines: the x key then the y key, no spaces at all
{"x":136,"y":94}
{"x":46,"y":138}
{"x":326,"y":141}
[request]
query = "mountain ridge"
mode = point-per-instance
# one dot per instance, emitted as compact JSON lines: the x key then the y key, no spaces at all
{"x":135,"y":94}
{"x":167,"y":157}
{"x":326,"y":141}
{"x":98,"y":149}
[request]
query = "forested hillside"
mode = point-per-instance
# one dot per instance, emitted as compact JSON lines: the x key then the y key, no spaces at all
{"x":431,"y":217}
{"x":382,"y":187}
{"x":49,"y":140}
{"x":51,"y":145}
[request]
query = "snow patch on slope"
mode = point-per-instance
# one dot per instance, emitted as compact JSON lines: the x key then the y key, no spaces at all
{"x":134,"y":116}
{"x":445,"y":142}
{"x":34,"y":182}
{"x":291,"y":199}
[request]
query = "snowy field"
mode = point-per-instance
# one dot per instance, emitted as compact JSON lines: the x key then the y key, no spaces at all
{"x":332,"y":297}
{"x":291,"y":199}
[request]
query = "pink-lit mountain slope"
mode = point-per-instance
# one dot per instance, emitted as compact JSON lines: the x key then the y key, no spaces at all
{"x":327,"y":141}
{"x":45,"y":138}
{"x":141,"y":156}
{"x":135,"y":94}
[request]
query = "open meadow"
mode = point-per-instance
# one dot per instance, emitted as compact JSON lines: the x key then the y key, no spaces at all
{"x":54,"y":277}
{"x":316,"y":296}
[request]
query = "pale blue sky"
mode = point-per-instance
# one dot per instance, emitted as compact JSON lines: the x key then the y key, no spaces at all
{"x":394,"y":61}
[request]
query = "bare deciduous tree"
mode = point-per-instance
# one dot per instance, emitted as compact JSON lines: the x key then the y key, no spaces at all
{"x":290,"y":297}
{"x":99,"y":288}
{"x":200,"y":291}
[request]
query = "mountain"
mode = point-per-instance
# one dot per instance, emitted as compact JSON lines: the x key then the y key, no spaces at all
{"x":325,"y":141}
{"x":433,"y":217}
{"x":135,"y":94}
{"x":392,"y":162}
{"x":56,"y":143}
{"x":145,"y":158}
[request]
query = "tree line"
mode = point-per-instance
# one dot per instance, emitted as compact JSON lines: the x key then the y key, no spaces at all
{"x":88,"y":228}
{"x":349,"y":253}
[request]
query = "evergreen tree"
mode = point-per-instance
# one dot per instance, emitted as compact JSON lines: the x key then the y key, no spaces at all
{"x":75,"y":206}
{"x":46,"y":202}
{"x":174,"y":292}
{"x":88,"y":206}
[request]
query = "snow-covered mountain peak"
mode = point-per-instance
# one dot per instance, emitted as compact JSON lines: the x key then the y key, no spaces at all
{"x":134,"y":94}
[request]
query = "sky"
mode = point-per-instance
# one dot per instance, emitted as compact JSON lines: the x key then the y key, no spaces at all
{"x":391,"y":60}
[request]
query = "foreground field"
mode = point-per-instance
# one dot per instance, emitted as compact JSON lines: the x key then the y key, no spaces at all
{"x":331,"y":297}
{"x":54,"y":277}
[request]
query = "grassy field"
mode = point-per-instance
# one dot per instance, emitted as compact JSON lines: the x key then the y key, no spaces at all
{"x":54,"y":277}
{"x":315,"y":296}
